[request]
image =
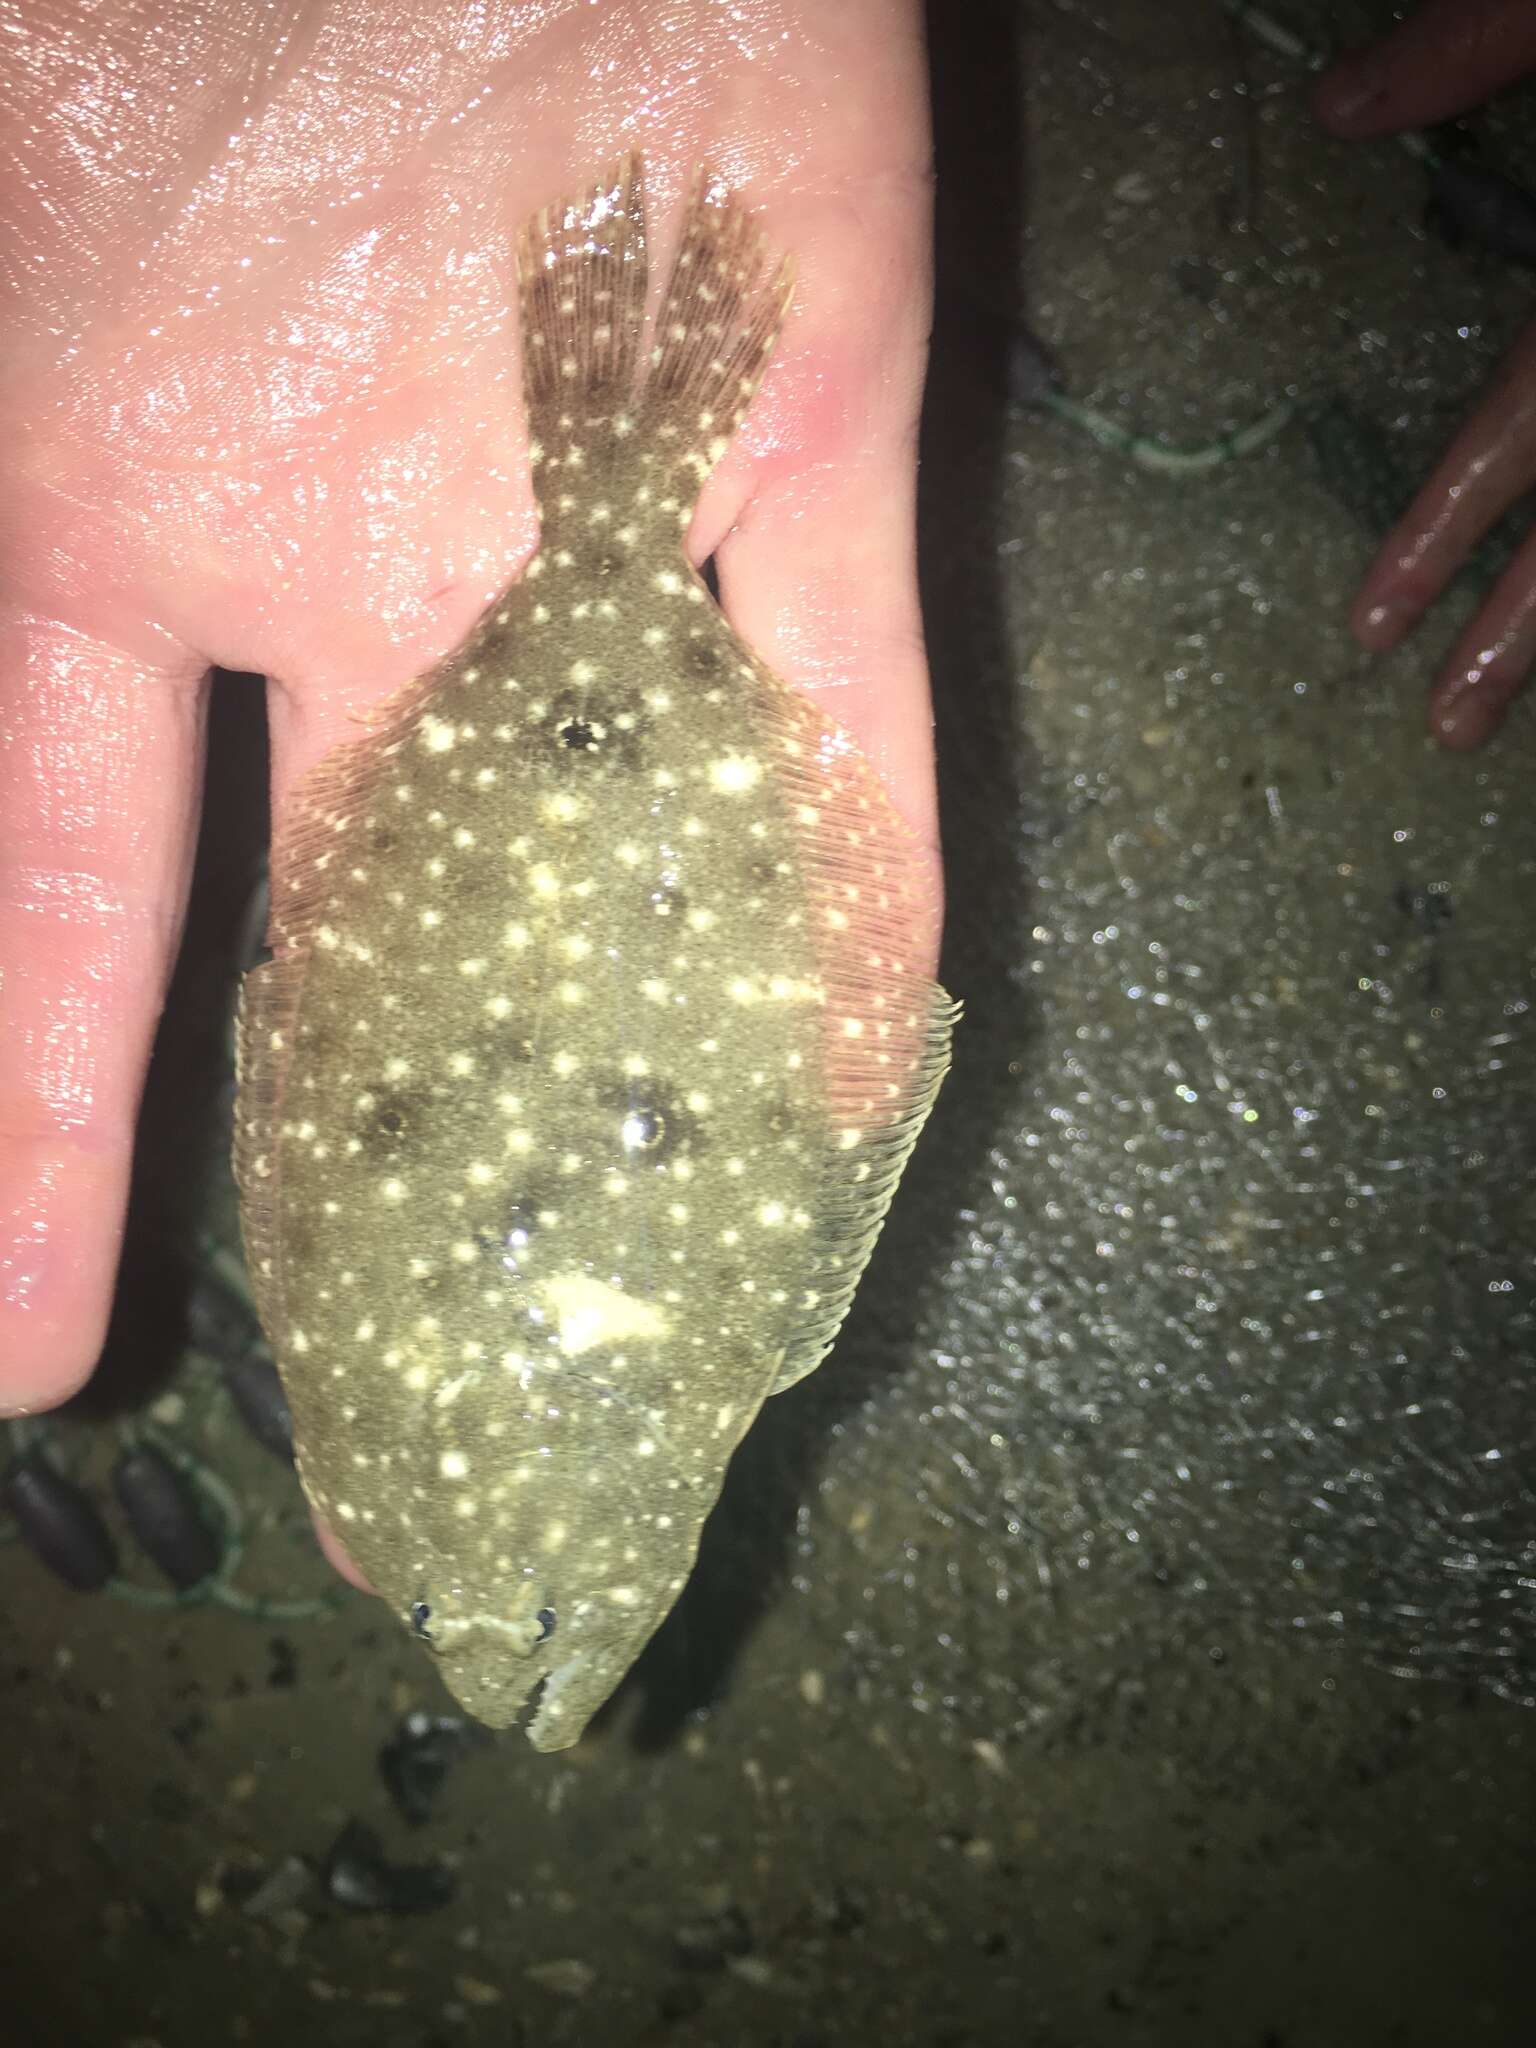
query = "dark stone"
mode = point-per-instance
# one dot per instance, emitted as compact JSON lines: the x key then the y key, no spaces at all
{"x":416,"y":1760}
{"x":59,"y":1523}
{"x":357,"y":1875}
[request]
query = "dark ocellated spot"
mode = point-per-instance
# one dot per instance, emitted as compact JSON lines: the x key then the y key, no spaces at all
{"x":702,"y":657}
{"x":647,"y":1119}
{"x":585,"y":727}
{"x":644,"y":1130}
{"x":396,"y":1117}
{"x":782,"y":1113}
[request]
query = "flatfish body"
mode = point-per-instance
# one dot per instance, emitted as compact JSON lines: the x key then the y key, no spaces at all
{"x":595,"y":1036}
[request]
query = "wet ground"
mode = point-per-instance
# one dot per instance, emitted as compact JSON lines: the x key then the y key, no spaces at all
{"x":1130,"y":1636}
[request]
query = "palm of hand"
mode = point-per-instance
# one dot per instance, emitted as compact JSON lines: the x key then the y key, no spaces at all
{"x":263,"y":392}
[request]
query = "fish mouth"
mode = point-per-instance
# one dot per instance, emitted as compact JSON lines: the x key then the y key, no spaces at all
{"x":559,"y":1718}
{"x":562,"y":1696}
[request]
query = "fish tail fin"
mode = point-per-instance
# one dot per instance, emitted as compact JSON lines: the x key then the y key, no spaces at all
{"x":721,"y":316}
{"x":582,"y":270}
{"x":581,"y":280}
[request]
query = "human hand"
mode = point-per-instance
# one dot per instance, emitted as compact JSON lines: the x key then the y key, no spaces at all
{"x":1447,"y":57}
{"x":262,"y":411}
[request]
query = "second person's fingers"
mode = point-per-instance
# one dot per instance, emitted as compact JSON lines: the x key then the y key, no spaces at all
{"x":1492,"y":659}
{"x":1491,"y":462}
{"x":1446,"y":57}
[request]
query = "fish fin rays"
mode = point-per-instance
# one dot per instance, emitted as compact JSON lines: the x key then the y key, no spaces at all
{"x":582,"y":278}
{"x":858,"y":1189}
{"x":886,"y":1025}
{"x":581,"y":267}
{"x":716,"y":330}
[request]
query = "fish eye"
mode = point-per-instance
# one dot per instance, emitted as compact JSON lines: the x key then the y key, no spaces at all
{"x":580,"y":735}
{"x":421,"y":1614}
{"x":546,"y":1620}
{"x":642,"y":1130}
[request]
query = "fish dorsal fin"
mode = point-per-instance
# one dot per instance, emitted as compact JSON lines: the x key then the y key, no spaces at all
{"x":887,"y":1023}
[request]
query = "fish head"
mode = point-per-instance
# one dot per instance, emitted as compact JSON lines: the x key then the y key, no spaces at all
{"x":498,"y":1651}
{"x":553,"y":1537}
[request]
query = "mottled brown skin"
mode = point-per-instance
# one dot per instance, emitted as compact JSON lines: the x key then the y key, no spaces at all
{"x":532,"y":1024}
{"x":590,"y":1056}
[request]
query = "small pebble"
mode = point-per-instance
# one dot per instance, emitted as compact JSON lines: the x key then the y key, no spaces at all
{"x":281,"y":1889}
{"x":570,"y":1977}
{"x":754,"y":1971}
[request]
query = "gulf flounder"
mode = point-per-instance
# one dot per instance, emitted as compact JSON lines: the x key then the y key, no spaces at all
{"x":596,"y":1033}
